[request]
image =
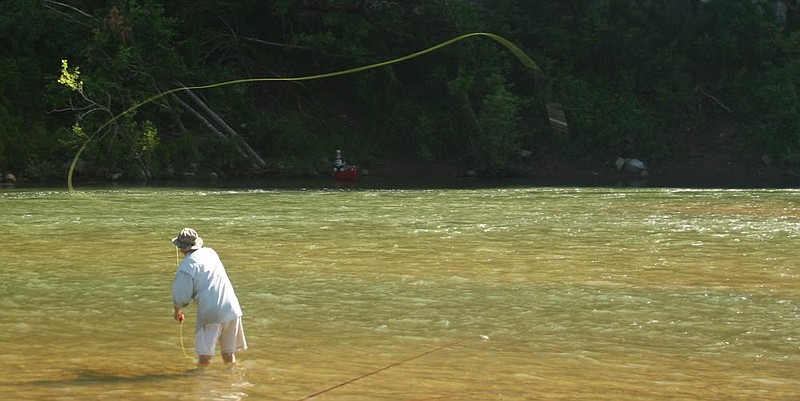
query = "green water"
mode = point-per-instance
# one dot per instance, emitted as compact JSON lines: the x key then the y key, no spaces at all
{"x":557,"y":293}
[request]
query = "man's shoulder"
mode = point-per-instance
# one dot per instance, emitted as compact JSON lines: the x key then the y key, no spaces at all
{"x":199,"y":256}
{"x":204,"y":255}
{"x":206,"y":251}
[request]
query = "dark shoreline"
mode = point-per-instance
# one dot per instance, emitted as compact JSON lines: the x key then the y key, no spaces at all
{"x":678,"y":175}
{"x":432,"y":175}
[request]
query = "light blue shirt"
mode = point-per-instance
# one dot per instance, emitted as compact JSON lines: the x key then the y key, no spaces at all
{"x":202,"y":277}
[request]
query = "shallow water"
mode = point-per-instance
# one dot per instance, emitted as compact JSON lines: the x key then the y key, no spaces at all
{"x":471,"y":294}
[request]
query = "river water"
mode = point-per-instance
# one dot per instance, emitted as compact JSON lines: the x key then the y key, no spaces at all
{"x":435,"y":294}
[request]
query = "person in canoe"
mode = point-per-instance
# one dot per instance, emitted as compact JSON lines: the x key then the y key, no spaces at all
{"x":339,"y":164}
{"x":342,"y":170}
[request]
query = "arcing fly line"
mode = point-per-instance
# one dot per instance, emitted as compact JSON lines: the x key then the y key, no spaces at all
{"x":523,"y":58}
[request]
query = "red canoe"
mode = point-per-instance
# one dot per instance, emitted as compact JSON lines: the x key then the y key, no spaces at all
{"x":346,"y":175}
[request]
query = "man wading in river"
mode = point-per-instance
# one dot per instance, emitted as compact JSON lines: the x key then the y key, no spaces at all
{"x":202,"y":277}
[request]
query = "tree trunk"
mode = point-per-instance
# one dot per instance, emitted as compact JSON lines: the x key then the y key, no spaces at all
{"x":241,"y":145}
{"x":211,"y":127}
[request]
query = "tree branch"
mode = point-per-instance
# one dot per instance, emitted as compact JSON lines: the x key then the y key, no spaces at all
{"x":54,"y":5}
{"x":717,"y":101}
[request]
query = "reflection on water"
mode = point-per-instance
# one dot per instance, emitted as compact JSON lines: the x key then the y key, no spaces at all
{"x":472,"y":294}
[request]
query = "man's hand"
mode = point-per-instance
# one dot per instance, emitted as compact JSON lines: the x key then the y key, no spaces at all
{"x":179,"y":314}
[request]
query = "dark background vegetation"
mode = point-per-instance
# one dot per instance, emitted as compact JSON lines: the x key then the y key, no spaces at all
{"x":680,"y":84}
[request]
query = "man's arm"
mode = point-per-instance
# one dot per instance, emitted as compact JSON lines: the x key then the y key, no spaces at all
{"x":182,"y":289}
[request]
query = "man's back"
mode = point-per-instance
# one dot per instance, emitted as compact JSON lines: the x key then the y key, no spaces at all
{"x":202,"y":276}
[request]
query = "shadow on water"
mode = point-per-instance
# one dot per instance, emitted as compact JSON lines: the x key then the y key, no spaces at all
{"x":95,"y":376}
{"x":228,"y":383}
{"x":116,"y":375}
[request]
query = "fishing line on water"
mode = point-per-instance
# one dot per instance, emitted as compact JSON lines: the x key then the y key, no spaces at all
{"x":523,"y":58}
{"x":398,"y":363}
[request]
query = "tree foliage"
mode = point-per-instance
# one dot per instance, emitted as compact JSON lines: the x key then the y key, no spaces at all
{"x":629,"y":74}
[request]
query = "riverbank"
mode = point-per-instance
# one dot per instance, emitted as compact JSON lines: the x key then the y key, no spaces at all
{"x":703,"y":171}
{"x":699,"y":172}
